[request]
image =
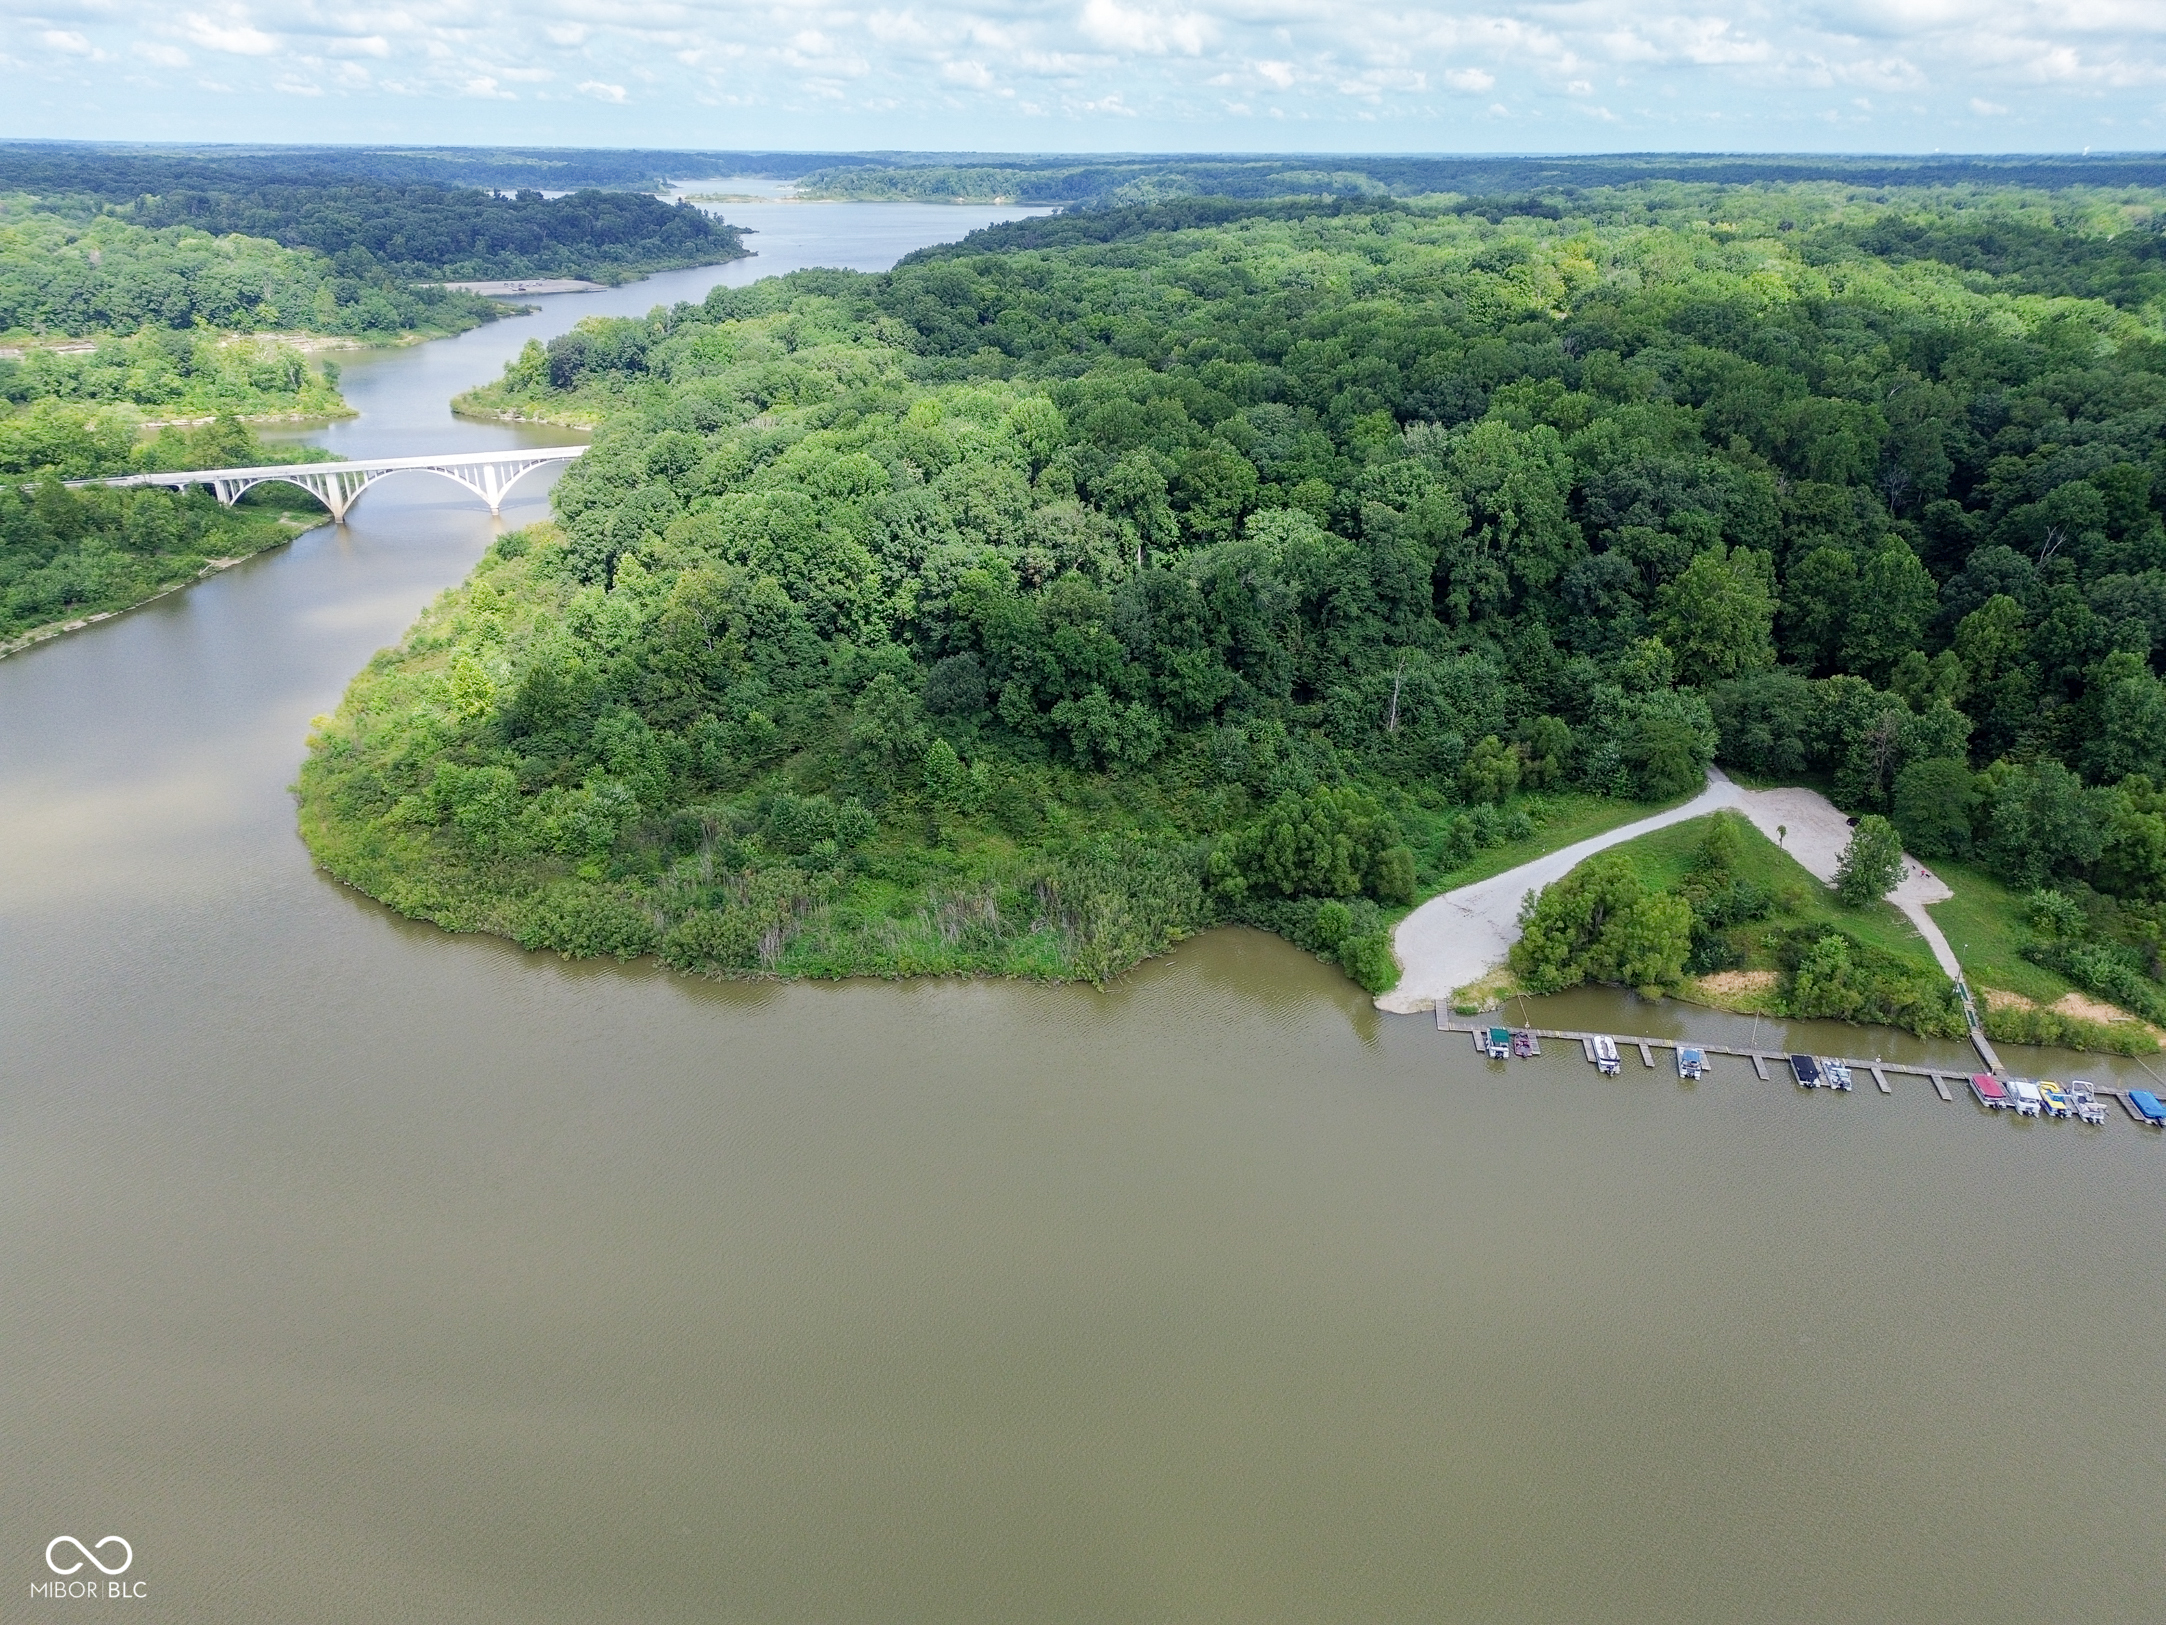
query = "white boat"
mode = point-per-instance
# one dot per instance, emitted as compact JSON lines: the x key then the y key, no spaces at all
{"x":2029,"y":1102}
{"x":1605,"y":1056}
{"x":2086,"y":1101}
{"x":1837,"y":1073}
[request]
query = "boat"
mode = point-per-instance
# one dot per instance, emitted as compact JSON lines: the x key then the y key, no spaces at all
{"x":1691,"y":1060}
{"x":2148,"y":1107}
{"x":1836,"y":1072}
{"x":1606,"y":1061}
{"x":2054,"y":1099}
{"x":1807,"y":1072}
{"x":2088,"y":1106}
{"x":1989,"y":1092}
{"x":1524,"y":1043}
{"x":2029,"y":1103}
{"x":1494,"y":1042}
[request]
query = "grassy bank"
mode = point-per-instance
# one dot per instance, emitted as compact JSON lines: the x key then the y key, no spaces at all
{"x":1712,"y":911}
{"x":1763,"y":926}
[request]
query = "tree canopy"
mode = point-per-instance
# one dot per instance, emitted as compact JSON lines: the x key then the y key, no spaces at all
{"x":1179,"y":529}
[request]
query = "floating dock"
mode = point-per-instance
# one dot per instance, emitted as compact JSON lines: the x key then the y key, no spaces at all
{"x":1938,"y":1076}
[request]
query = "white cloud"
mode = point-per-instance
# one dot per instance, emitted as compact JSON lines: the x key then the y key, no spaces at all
{"x":944,"y":73}
{"x":1986,"y":109}
{"x":232,"y":32}
{"x":1147,"y":32}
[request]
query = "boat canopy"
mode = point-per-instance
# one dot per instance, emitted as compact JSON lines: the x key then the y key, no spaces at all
{"x":2147,"y":1103}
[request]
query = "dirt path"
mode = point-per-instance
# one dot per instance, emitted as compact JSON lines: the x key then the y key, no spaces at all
{"x":1460,"y":936}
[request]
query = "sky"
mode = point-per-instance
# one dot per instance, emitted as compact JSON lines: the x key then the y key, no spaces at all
{"x":1100,"y":75}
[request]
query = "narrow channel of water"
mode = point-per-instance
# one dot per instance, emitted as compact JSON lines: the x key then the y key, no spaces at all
{"x":355,"y":1271}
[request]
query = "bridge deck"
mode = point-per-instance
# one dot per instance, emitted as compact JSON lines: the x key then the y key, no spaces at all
{"x":355,"y":465}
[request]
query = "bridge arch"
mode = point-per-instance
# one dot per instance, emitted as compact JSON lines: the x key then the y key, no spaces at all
{"x":488,"y":475}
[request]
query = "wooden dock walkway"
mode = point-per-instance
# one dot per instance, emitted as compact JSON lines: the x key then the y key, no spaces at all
{"x":1938,"y":1076}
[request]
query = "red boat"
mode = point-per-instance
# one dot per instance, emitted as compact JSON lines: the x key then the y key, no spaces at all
{"x":1989,"y":1092}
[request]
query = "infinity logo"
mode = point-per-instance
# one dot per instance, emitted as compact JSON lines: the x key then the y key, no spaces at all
{"x":89,"y":1552}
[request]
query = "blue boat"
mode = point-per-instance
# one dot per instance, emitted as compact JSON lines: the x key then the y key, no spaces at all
{"x":2148,"y":1107}
{"x":1691,"y":1060}
{"x":1806,"y":1070}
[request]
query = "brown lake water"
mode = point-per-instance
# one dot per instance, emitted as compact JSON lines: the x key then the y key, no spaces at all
{"x":357,"y":1272}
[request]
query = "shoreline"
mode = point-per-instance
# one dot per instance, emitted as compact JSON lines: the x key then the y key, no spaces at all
{"x":26,"y":641}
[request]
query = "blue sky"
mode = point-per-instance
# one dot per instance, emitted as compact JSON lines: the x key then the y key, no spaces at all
{"x":1100,"y":75}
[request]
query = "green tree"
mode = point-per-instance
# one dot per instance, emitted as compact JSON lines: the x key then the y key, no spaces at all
{"x":887,"y":726}
{"x":1490,"y":772}
{"x":1328,"y":843}
{"x":1934,"y":803}
{"x":2041,"y":824}
{"x":1667,"y":741}
{"x":2129,"y":735}
{"x":1872,"y":864}
{"x":1719,"y":616}
{"x":1601,"y":923}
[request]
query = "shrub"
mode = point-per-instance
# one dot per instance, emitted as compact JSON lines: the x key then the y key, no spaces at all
{"x":2023,"y":1024}
{"x":1833,"y":974}
{"x":2106,"y":969}
{"x":1600,"y":923}
{"x":1119,"y":899}
{"x":581,"y":920}
{"x":1369,"y":961}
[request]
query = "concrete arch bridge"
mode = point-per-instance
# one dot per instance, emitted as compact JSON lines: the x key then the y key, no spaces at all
{"x":490,"y":475}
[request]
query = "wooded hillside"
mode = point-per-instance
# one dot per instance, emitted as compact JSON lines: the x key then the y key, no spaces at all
{"x":1060,"y":592}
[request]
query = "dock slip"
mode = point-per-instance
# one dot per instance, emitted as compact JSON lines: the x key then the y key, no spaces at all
{"x":1591,"y":1045}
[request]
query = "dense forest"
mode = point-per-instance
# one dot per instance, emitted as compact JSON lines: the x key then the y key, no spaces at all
{"x":415,"y":232}
{"x":77,"y":274}
{"x":352,"y":260}
{"x":1068,"y":589}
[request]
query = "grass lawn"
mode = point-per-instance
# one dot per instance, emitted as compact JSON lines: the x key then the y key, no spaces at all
{"x":1984,"y":923}
{"x":1571,"y":818}
{"x":1665,"y":857}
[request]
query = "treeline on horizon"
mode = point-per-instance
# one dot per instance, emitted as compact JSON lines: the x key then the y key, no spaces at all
{"x":1051,"y":596}
{"x":358,"y":259}
{"x":122,"y":171}
{"x":1111,"y":181}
